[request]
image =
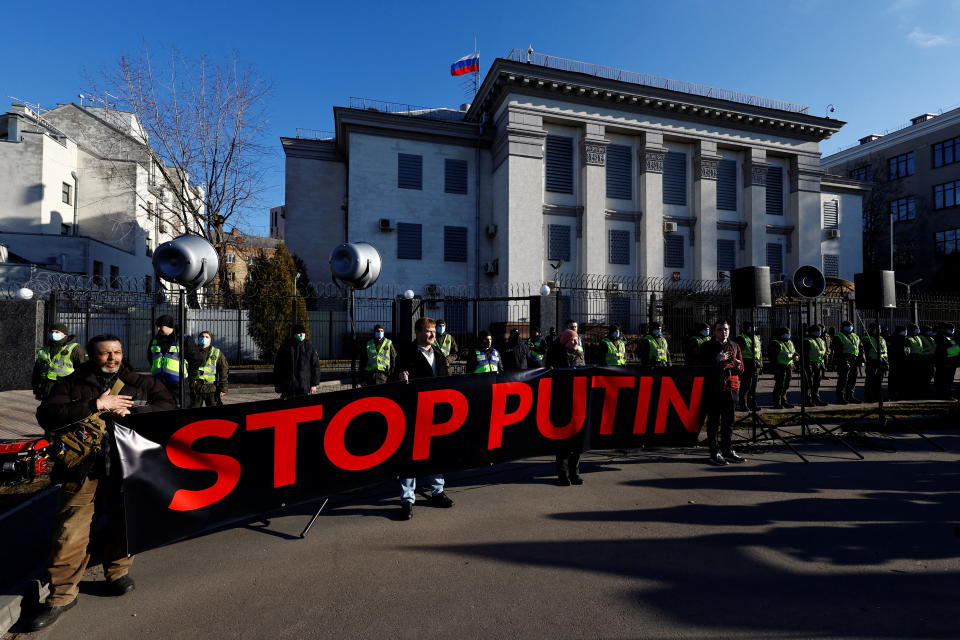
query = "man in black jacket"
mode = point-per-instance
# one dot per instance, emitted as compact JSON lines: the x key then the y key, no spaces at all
{"x":723,"y":353}
{"x":296,"y":371}
{"x":422,"y":358}
{"x":516,"y":354}
{"x":102,"y":388}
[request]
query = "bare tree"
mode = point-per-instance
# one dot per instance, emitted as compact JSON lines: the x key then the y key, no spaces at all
{"x":204,"y":123}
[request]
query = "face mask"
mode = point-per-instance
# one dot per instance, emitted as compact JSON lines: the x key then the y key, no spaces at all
{"x":915,"y":332}
{"x":378,"y":335}
{"x":441,"y":330}
{"x":846,"y":329}
{"x":301,"y":337}
{"x":203,"y":342}
{"x":657,"y":332}
{"x":615,"y":334}
{"x":816,"y":334}
{"x":786,"y":336}
{"x":56,"y":336}
{"x":705,"y":333}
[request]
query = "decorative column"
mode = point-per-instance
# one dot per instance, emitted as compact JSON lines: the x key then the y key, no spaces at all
{"x":650,"y":159}
{"x":593,"y":154}
{"x":805,"y":210}
{"x":755,"y":207}
{"x":706,"y":163}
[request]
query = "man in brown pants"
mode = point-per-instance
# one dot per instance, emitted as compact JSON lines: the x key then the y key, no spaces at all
{"x":102,"y":388}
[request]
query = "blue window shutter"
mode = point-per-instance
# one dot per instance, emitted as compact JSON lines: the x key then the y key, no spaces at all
{"x":774,"y":191}
{"x":726,"y":255}
{"x":559,"y":164}
{"x":409,"y":171}
{"x":775,"y":259}
{"x":455,"y":244}
{"x":675,"y":178}
{"x":558,"y":241}
{"x":455,"y":173}
{"x":620,"y":313}
{"x":619,"y":246}
{"x":409,"y":245}
{"x":619,"y":172}
{"x":673,"y":252}
{"x":727,"y":185}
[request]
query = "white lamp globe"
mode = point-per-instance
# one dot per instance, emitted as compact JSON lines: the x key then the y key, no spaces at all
{"x":545,"y":290}
{"x":408,"y":294}
{"x":24,"y":294}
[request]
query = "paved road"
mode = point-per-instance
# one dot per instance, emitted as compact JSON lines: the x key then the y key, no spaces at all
{"x":653,"y":545}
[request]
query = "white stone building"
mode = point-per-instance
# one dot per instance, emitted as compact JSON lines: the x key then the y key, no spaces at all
{"x":559,"y":166}
{"x":81,"y":192}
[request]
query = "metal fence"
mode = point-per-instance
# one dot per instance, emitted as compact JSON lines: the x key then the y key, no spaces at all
{"x":122,"y":308}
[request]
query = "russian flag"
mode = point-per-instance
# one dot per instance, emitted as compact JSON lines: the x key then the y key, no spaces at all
{"x":465,"y":65}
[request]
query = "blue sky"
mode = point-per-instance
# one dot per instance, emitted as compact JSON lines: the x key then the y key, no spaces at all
{"x":879,"y":62}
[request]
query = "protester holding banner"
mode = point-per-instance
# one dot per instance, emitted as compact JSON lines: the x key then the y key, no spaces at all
{"x":296,"y":371}
{"x":381,"y":358}
{"x":422,"y":358}
{"x":722,"y":352}
{"x":78,"y":414}
{"x":561,"y":354}
{"x":209,"y":373}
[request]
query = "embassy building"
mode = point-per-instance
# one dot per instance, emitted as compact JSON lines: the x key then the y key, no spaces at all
{"x":564,"y":168}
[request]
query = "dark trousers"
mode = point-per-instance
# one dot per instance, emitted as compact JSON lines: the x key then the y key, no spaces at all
{"x":873,"y":382}
{"x":896,"y":380}
{"x":720,"y":421}
{"x":917,"y":374}
{"x":782,"y":375}
{"x":846,"y":376}
{"x":568,"y":465}
{"x":209,"y":399}
{"x":371,"y":378}
{"x":748,"y":384}
{"x":943,"y":380}
{"x":812,"y":375}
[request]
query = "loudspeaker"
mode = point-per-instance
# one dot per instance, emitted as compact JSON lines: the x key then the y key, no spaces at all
{"x":875,"y":290}
{"x":356,"y":264}
{"x":187,"y":260}
{"x":808,"y":282}
{"x":750,"y":287}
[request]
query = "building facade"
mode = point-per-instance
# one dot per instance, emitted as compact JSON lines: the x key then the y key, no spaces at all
{"x":240,"y":251}
{"x":912,"y":217}
{"x":563,"y":168}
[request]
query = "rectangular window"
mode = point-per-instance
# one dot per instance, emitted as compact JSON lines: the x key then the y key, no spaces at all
{"x":619,"y":172}
{"x":114,"y":277}
{"x":775,"y":259}
{"x":620,"y":313}
{"x":231,"y":258}
{"x":558,"y":242}
{"x":409,"y":245}
{"x":64,"y":229}
{"x":831,"y":214}
{"x":945,"y":195}
{"x":619,"y":246}
{"x":673,"y":252}
{"x":97,"y":272}
{"x":947,"y":241}
{"x":409,"y":171}
{"x":251,"y":260}
{"x":774,"y":191}
{"x":67,"y":192}
{"x":726,"y":255}
{"x":727,"y":185}
{"x":454,"y":244}
{"x":455,"y":176}
{"x":904,"y":209}
{"x":675,"y":178}
{"x":455,"y":315}
{"x":901,"y":166}
{"x":149,"y":246}
{"x":862,"y":173}
{"x":831,"y":265}
{"x":945,"y":152}
{"x":559,"y":164}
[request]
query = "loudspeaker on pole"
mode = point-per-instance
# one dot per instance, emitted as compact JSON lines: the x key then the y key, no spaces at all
{"x":875,"y":290}
{"x":750,"y":287}
{"x":809,"y":282}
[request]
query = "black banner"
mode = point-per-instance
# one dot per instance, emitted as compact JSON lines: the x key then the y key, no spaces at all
{"x":192,"y":470}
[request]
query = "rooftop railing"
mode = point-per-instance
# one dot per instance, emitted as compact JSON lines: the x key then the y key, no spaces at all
{"x":610,"y":73}
{"x":315,"y":134}
{"x":396,"y":108}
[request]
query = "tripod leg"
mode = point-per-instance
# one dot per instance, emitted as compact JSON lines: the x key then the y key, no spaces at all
{"x":773,"y":430}
{"x":839,"y":439}
{"x":303,"y":533}
{"x":906,"y":427}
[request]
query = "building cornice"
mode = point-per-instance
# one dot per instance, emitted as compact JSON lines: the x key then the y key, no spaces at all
{"x":311,"y":149}
{"x":506,"y":76}
{"x":349,"y":120}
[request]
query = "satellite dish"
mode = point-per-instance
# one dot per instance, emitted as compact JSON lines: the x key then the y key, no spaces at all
{"x":808,"y":282}
{"x":187,"y":260}
{"x":355,"y":264}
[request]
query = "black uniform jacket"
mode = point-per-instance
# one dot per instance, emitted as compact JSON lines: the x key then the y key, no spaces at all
{"x":410,"y":359}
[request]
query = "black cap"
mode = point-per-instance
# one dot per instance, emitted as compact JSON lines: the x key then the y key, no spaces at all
{"x":62,"y":328}
{"x":166,"y":321}
{"x":298,"y":328}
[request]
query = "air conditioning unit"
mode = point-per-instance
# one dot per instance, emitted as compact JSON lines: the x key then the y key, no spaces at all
{"x":491,"y":268}
{"x":431,"y":290}
{"x":491,"y":230}
{"x":386,"y":224}
{"x":833,"y":234}
{"x":614,"y":286}
{"x":669,"y":227}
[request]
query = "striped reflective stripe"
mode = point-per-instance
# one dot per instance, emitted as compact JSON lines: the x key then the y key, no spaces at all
{"x":787,"y":351}
{"x":379,"y":359}
{"x":166,"y":366}
{"x":616,"y":352}
{"x":816,"y":349}
{"x":58,"y":366}
{"x":487,"y":363}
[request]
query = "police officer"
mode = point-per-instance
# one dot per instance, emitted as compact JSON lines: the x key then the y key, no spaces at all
{"x":381,"y":358}
{"x":59,"y":356}
{"x":783,"y":355}
{"x":485,"y":359}
{"x":897,"y":381}
{"x":915,"y":363}
{"x":847,"y":358}
{"x":209,"y":375}
{"x":875,"y":356}
{"x":613,"y":348}
{"x":699,"y":335}
{"x":928,"y":358}
{"x":167,"y":364}
{"x":814,"y":353}
{"x":446,"y":342}
{"x":947,"y":360}
{"x":654,"y":351}
{"x":538,"y":348}
{"x":749,"y":342}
